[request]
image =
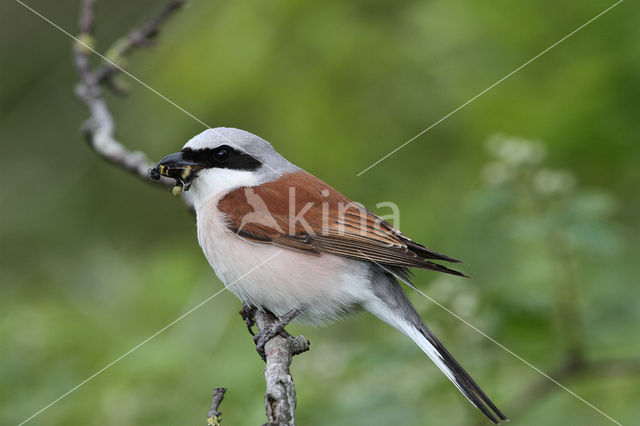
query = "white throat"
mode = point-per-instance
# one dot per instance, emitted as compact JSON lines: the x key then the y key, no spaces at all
{"x":217,"y":182}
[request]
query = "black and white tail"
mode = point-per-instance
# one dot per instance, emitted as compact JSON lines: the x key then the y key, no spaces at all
{"x":393,"y":307}
{"x":453,"y":370}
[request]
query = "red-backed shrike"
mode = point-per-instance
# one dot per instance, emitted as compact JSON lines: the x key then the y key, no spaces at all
{"x":319,"y":251}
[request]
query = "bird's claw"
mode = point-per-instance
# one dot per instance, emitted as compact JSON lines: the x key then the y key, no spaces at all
{"x":247,"y":315}
{"x":277,"y":327}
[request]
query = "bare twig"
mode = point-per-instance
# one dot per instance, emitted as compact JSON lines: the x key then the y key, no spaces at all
{"x":214,"y":414}
{"x":86,"y":17}
{"x":280,"y":397}
{"x":99,"y":129}
{"x":139,"y":37}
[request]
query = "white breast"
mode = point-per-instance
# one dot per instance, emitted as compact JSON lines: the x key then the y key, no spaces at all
{"x":329,"y":285}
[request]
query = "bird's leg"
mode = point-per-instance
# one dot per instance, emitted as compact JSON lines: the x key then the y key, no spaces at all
{"x":247,"y":315}
{"x":276,"y":327}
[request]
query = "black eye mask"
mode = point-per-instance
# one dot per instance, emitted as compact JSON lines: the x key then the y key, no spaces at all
{"x":183,"y":166}
{"x":222,"y":157}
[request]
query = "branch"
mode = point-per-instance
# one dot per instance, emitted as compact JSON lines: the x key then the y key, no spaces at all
{"x":139,"y":37}
{"x":99,"y":129}
{"x":214,"y":414}
{"x":280,"y":397}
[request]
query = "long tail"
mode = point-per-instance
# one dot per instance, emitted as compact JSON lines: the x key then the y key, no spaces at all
{"x":392,"y":306}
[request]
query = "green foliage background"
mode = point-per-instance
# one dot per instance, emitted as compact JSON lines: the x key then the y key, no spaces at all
{"x":92,"y":262}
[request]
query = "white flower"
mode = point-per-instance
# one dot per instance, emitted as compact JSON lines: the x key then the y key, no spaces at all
{"x":550,"y":182}
{"x":516,"y":151}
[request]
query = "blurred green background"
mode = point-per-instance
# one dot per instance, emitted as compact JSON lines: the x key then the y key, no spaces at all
{"x":534,"y":185}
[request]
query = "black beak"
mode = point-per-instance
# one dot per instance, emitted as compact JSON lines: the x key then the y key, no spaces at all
{"x":175,"y":166}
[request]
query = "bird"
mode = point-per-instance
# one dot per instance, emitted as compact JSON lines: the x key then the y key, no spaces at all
{"x":284,"y":241}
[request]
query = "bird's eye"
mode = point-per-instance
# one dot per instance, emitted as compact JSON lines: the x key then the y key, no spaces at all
{"x":222,"y":155}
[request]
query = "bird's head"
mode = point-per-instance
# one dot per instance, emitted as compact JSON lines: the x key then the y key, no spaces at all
{"x":219,"y":160}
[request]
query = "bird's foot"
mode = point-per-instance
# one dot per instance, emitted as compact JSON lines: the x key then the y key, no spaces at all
{"x":275,"y":328}
{"x":246,"y":313}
